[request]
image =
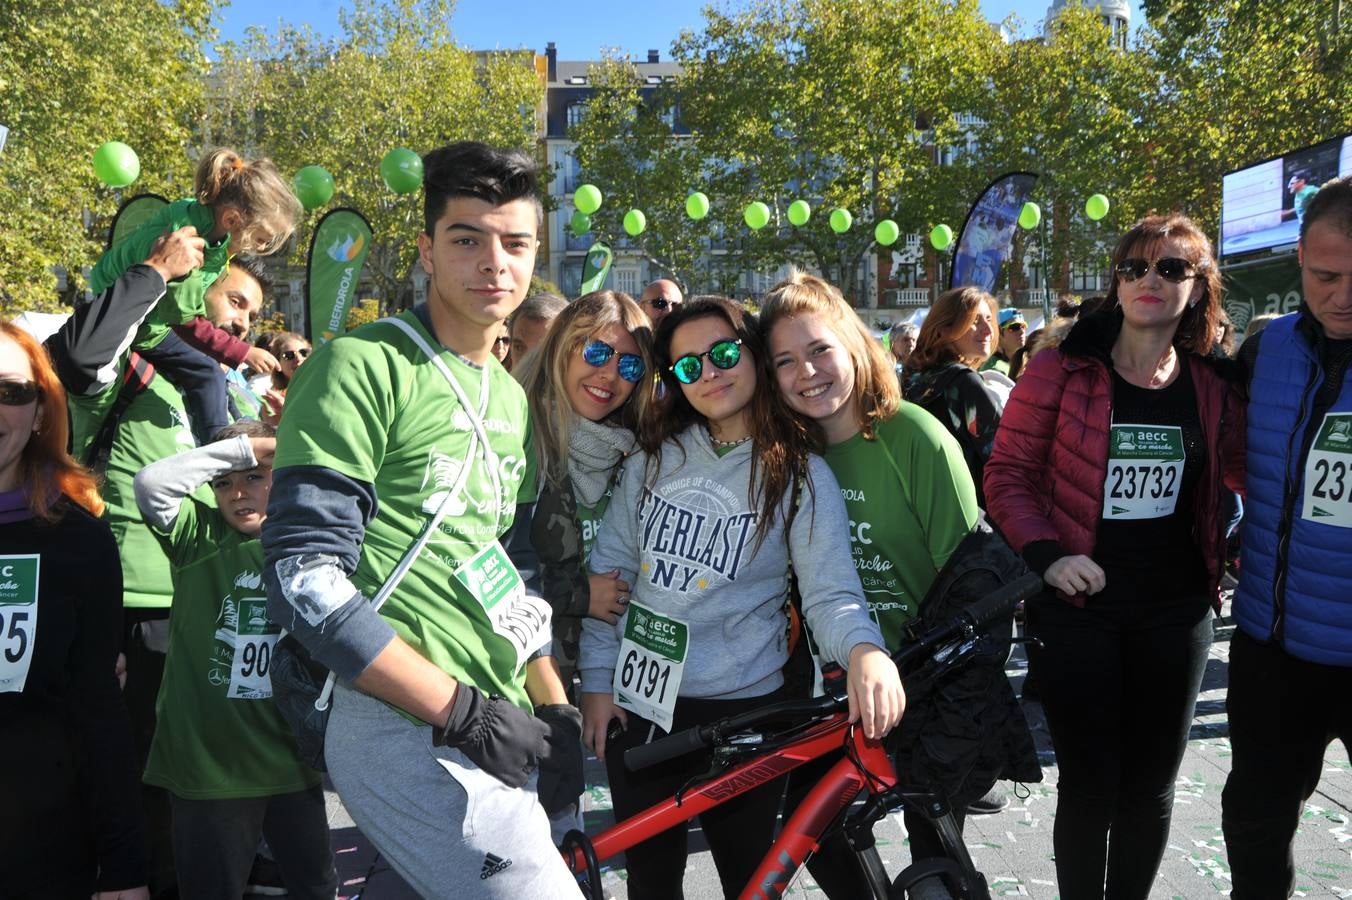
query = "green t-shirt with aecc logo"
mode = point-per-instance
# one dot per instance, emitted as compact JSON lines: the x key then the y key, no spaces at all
{"x":371,"y":406}
{"x":218,"y":734}
{"x":910,"y":500}
{"x":154,"y":425}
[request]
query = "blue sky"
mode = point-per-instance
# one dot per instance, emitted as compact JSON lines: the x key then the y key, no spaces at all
{"x":580,"y":29}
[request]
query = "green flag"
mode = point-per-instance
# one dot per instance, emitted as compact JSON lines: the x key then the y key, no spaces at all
{"x":337,"y":251}
{"x":132,"y":214}
{"x":595,"y":268}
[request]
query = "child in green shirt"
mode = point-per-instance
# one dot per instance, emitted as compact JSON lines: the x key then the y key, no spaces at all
{"x":237,"y":207}
{"x":222,"y":750}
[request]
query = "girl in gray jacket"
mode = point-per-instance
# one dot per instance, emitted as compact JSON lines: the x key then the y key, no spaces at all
{"x":705,"y":525}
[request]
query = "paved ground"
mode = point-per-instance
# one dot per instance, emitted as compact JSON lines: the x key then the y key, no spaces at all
{"x":1014,"y":848}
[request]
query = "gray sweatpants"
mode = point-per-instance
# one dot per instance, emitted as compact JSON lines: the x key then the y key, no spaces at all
{"x":449,"y":828}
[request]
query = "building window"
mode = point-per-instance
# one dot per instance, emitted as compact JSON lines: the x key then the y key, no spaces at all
{"x":1093,"y":282}
{"x":570,"y":279}
{"x":576,"y":109}
{"x":627,"y":280}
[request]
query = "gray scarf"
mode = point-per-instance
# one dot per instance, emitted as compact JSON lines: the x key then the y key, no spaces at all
{"x":593,"y":452}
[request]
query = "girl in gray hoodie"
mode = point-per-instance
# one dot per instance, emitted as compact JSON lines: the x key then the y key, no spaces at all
{"x":705,"y":525}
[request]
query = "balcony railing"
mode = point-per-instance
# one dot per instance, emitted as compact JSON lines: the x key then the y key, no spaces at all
{"x":902,"y":298}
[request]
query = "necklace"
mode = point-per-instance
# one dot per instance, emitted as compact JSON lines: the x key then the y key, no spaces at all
{"x":726,"y":444}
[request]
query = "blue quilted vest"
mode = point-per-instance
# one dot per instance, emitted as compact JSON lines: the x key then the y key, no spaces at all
{"x":1296,"y":575}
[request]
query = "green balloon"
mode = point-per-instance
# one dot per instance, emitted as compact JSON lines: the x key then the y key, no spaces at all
{"x":841,"y":220}
{"x":580,"y":223}
{"x":634,"y":222}
{"x":697,"y":205}
{"x":886,"y":232}
{"x":1030,"y":216}
{"x":587,"y":198}
{"x":1096,"y":207}
{"x":799,"y":212}
{"x":402,"y":170}
{"x":116,"y":164}
{"x":941,"y":236}
{"x":756,"y":215}
{"x":313,"y":186}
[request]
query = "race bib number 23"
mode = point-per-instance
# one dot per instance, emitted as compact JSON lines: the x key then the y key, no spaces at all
{"x":1328,"y":473}
{"x":18,"y":619}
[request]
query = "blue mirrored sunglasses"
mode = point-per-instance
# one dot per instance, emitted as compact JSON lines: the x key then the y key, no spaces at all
{"x":598,"y":353}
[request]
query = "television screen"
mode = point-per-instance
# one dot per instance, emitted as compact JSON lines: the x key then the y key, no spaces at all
{"x":1262,"y":205}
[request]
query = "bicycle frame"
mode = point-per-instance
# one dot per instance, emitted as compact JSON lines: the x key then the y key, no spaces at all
{"x":799,"y":836}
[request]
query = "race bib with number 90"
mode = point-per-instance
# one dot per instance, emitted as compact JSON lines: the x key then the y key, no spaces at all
{"x":255,"y":638}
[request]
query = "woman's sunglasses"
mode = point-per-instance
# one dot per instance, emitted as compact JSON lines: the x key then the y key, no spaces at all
{"x":298,"y":353}
{"x":598,"y":353}
{"x":724,"y":355}
{"x":18,"y":393}
{"x":1170,"y":268}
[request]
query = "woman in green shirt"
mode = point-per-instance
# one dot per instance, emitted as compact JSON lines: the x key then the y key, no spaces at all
{"x":907,"y":490}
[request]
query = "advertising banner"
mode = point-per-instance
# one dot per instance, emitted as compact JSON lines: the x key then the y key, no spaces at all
{"x":1269,"y":287}
{"x":595,"y":268}
{"x":337,"y":252}
{"x":987,"y":235}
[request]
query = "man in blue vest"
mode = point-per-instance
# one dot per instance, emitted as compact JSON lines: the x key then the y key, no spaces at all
{"x":1291,"y":657}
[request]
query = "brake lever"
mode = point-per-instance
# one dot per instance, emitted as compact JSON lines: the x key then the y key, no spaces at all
{"x":1030,"y":641}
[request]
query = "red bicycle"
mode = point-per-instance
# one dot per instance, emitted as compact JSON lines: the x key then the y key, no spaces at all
{"x":761,"y":745}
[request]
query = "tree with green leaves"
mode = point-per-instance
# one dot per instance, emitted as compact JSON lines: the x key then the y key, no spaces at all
{"x":74,"y":74}
{"x":1069,"y":108}
{"x":1239,"y":81}
{"x":394,"y":77}
{"x":626,"y":142}
{"x":841,"y":103}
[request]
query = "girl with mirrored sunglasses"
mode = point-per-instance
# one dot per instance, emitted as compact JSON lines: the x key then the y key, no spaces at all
{"x":589,"y":386}
{"x":705,"y":525}
{"x":1106,"y":475}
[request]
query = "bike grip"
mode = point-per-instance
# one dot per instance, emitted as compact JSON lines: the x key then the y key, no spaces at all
{"x":1002,"y":601}
{"x":669,"y":747}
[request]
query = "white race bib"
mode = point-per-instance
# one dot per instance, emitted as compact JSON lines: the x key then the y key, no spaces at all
{"x":1328,"y":473}
{"x":1145,"y":471}
{"x":652,"y":661}
{"x":522,"y":619}
{"x":18,"y":619}
{"x":255,"y":638}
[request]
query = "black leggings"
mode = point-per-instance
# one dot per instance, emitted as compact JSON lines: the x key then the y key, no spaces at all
{"x":1119,"y":680}
{"x":739,"y":832}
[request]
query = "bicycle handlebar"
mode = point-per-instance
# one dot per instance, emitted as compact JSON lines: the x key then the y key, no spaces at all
{"x":974,"y":617}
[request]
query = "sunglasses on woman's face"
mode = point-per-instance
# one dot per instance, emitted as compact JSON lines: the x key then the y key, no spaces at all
{"x":298,"y":353}
{"x":724,"y":355}
{"x":18,"y":393}
{"x":1170,"y":268}
{"x":598,"y":353}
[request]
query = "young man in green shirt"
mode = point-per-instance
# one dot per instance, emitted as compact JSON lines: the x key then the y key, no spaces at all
{"x":407,"y":430}
{"x":222,"y":749}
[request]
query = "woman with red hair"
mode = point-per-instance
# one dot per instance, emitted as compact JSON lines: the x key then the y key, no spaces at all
{"x":72,"y":823}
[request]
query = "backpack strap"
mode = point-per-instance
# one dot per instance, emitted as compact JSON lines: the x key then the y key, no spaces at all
{"x":136,"y":377}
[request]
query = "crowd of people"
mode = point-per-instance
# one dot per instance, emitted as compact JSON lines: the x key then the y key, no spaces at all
{"x":461,"y":527}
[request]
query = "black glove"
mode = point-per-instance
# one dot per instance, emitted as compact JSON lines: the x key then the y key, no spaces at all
{"x":561,"y":765}
{"x":494,"y":733}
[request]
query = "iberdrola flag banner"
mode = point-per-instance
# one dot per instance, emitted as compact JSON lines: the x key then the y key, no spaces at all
{"x":595,"y":268}
{"x":133,"y":213}
{"x":337,"y":252}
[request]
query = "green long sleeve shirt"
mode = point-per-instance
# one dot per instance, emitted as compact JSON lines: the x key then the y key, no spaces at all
{"x":184,"y":300}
